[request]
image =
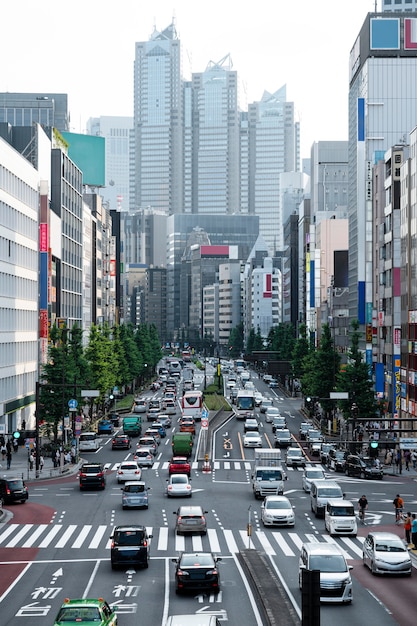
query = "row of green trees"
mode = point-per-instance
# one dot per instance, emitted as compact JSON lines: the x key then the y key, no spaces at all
{"x":118,"y":356}
{"x":317,"y":368}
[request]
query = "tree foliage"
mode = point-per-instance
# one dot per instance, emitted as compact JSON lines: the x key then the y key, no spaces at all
{"x":300,"y":352}
{"x":236,"y":341}
{"x":281,"y":339}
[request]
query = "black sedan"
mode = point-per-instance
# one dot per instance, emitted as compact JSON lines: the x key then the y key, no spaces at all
{"x":197,"y":570}
{"x":121,"y":442}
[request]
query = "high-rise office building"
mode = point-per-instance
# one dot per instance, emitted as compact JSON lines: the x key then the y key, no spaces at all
{"x":382,"y":112}
{"x":25,"y":109}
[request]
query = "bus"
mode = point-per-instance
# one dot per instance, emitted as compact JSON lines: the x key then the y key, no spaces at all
{"x":245,"y":403}
{"x":88,"y":442}
{"x":192,"y":404}
{"x":239,"y":365}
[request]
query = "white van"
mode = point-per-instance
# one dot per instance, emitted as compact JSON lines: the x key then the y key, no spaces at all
{"x":192,"y":620}
{"x":320,"y":491}
{"x":340,"y":518}
{"x":335,"y":578}
{"x":88,"y":442}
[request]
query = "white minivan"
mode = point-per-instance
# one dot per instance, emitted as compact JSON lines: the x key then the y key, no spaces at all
{"x":335,"y":578}
{"x":89,"y":442}
{"x":340,"y":518}
{"x":320,"y":492}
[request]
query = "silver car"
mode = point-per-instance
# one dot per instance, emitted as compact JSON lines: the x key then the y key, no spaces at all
{"x":135,"y":495}
{"x":311,"y":473}
{"x":144,"y":457}
{"x":385,"y":553}
{"x":179,"y":485}
{"x":190,"y":519}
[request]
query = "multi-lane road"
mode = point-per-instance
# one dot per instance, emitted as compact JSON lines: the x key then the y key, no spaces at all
{"x":57,"y":545}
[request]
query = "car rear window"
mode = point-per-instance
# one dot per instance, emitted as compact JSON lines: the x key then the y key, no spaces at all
{"x":129,"y":537}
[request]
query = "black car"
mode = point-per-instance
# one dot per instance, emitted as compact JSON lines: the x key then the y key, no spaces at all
{"x":197,"y":570}
{"x":13,"y":490}
{"x":92,"y":475}
{"x":324,"y":452}
{"x":337,"y":460}
{"x":121,"y":442}
{"x":115,"y":419}
{"x":363,"y":467}
{"x":130,"y":546}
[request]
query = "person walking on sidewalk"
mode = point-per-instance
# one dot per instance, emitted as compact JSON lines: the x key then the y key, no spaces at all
{"x":414,"y":531}
{"x":407,"y":527}
{"x":9,"y":458}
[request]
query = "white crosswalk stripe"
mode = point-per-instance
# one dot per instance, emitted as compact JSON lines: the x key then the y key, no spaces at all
{"x":285,"y":542}
{"x":195,"y":465}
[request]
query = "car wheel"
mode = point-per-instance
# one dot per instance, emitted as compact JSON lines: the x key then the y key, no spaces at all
{"x":146,"y":564}
{"x":124,"y":508}
{"x":347,"y":472}
{"x":373,"y":568}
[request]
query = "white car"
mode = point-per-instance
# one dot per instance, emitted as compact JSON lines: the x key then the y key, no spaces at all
{"x":277,"y":511}
{"x":252,"y":439}
{"x":179,"y":485}
{"x":258,"y":398}
{"x":312,"y":473}
{"x":128,"y":470}
{"x":270,"y":413}
{"x":144,"y":457}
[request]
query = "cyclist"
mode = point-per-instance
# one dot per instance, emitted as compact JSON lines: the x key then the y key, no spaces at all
{"x":398,"y":503}
{"x":362,"y":506}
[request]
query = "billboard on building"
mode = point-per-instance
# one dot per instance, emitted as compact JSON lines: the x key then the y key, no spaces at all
{"x":88,"y":153}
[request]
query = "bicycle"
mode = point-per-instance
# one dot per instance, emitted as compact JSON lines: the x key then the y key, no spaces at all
{"x":362,"y":514}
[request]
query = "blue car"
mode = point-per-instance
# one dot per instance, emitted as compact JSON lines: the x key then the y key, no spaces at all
{"x":105,"y":427}
{"x":161,"y":429}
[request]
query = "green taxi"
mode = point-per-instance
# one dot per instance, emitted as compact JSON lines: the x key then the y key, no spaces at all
{"x":86,"y":611}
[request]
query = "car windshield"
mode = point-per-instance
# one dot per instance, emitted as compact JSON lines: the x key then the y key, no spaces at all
{"x":197,"y":560}
{"x":314,"y":474}
{"x":269,"y":474}
{"x":340,"y":455}
{"x":129,"y":537}
{"x":341,"y":511}
{"x":328,"y":563}
{"x":328,"y":492}
{"x":390,"y":546}
{"x":79,"y":614}
{"x":278,"y":505}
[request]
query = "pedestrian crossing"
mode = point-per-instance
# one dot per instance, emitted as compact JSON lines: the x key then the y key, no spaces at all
{"x":87,"y":537}
{"x":195,"y":465}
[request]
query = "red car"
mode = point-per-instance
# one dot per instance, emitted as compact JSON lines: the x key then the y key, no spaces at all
{"x":180,"y":465}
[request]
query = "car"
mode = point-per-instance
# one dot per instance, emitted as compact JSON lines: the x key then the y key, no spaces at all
{"x":153,"y":432}
{"x":277,"y":511}
{"x":170,"y":396}
{"x":385,"y":553}
{"x":271,"y":411}
{"x":105,"y":427}
{"x":170,"y":407}
{"x":130,"y":545}
{"x":144,"y":457}
{"x":179,"y":465}
{"x":121,"y":442}
{"x":314,"y":435}
{"x":13,"y":489}
{"x":304,"y":428}
{"x":165,"y":420}
{"x":278,"y":423}
{"x":190,"y":519}
{"x":362,"y":467}
{"x":160,"y":428}
{"x":148,"y":441}
{"x":233,"y":395}
{"x":252,"y":439}
{"x":283,"y":438}
{"x":86,"y":611}
{"x":250,"y":424}
{"x":310,"y":473}
{"x":273,"y":383}
{"x":128,"y":470}
{"x":179,"y":485}
{"x":335,"y":579}
{"x":153,"y":414}
{"x":337,"y":460}
{"x":115,"y":419}
{"x":187,"y":425}
{"x":324,"y":452}
{"x":195,"y":571}
{"x":267,"y":378}
{"x":140,"y":405}
{"x":258,"y":398}
{"x":249,"y":385}
{"x":295,"y":457}
{"x":92,"y":475}
{"x":266,"y":404}
{"x":135,"y":495}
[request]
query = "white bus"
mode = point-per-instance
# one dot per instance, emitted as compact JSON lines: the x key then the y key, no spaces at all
{"x":245,"y":403}
{"x":192,"y":404}
{"x":88,"y":442}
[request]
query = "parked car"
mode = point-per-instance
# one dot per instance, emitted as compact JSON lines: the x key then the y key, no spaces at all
{"x":190,"y":519}
{"x":88,"y":611}
{"x":121,"y":442}
{"x":385,"y":553}
{"x":13,"y":489}
{"x":128,"y":470}
{"x":144,"y":457}
{"x":252,"y":439}
{"x":362,"y":467}
{"x":195,"y":571}
{"x":179,"y":485}
{"x":277,"y":511}
{"x":135,"y":495}
{"x":130,"y":546}
{"x":92,"y":475}
{"x":179,"y":465}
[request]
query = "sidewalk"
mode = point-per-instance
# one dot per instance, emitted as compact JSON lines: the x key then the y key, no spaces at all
{"x":20,"y":467}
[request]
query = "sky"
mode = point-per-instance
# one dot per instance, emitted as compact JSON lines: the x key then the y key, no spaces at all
{"x":86,"y":48}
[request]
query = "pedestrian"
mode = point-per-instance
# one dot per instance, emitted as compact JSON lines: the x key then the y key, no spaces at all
{"x":398,"y":503}
{"x":414,"y":459}
{"x":388,"y":458}
{"x":41,"y":463}
{"x":73,"y":455}
{"x":407,"y":527}
{"x":31,"y":460}
{"x":15,"y":445}
{"x":57,"y":458}
{"x":9,"y":458}
{"x":414,"y":531}
{"x":407,"y":458}
{"x":23,"y":424}
{"x":3,"y":450}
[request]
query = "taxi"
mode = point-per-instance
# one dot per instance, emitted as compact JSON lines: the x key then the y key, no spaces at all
{"x":88,"y":611}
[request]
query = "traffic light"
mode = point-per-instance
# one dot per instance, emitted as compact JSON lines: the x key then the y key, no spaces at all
{"x":373,"y":449}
